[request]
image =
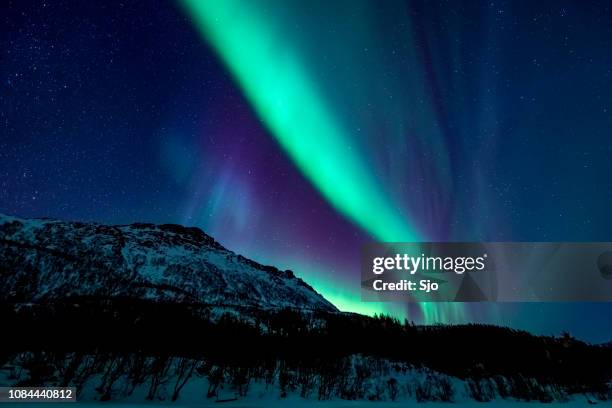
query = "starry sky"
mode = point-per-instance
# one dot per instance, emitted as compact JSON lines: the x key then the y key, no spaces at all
{"x":294,"y":132}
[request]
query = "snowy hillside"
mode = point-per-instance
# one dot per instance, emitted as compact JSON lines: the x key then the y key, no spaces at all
{"x":147,"y":312}
{"x":44,"y":260}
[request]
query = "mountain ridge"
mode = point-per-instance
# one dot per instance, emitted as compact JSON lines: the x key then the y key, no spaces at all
{"x":44,"y":260}
{"x":137,"y":311}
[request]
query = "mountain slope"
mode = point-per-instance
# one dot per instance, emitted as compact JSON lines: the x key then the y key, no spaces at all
{"x":44,"y":260}
{"x":163,"y":312}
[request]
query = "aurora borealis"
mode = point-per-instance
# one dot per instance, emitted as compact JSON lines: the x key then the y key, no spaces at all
{"x":286,"y":98}
{"x":293,"y":132}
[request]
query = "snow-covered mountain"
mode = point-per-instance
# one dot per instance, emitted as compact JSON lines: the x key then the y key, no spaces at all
{"x":44,"y":260}
{"x":164,"y":312}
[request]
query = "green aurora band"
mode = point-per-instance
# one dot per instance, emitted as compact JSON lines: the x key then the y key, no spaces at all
{"x":288,"y":102}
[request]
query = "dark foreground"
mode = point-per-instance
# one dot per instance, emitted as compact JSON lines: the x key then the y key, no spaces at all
{"x":113,"y":350}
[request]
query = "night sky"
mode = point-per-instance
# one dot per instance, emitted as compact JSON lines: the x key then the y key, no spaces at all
{"x":293,"y":132}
